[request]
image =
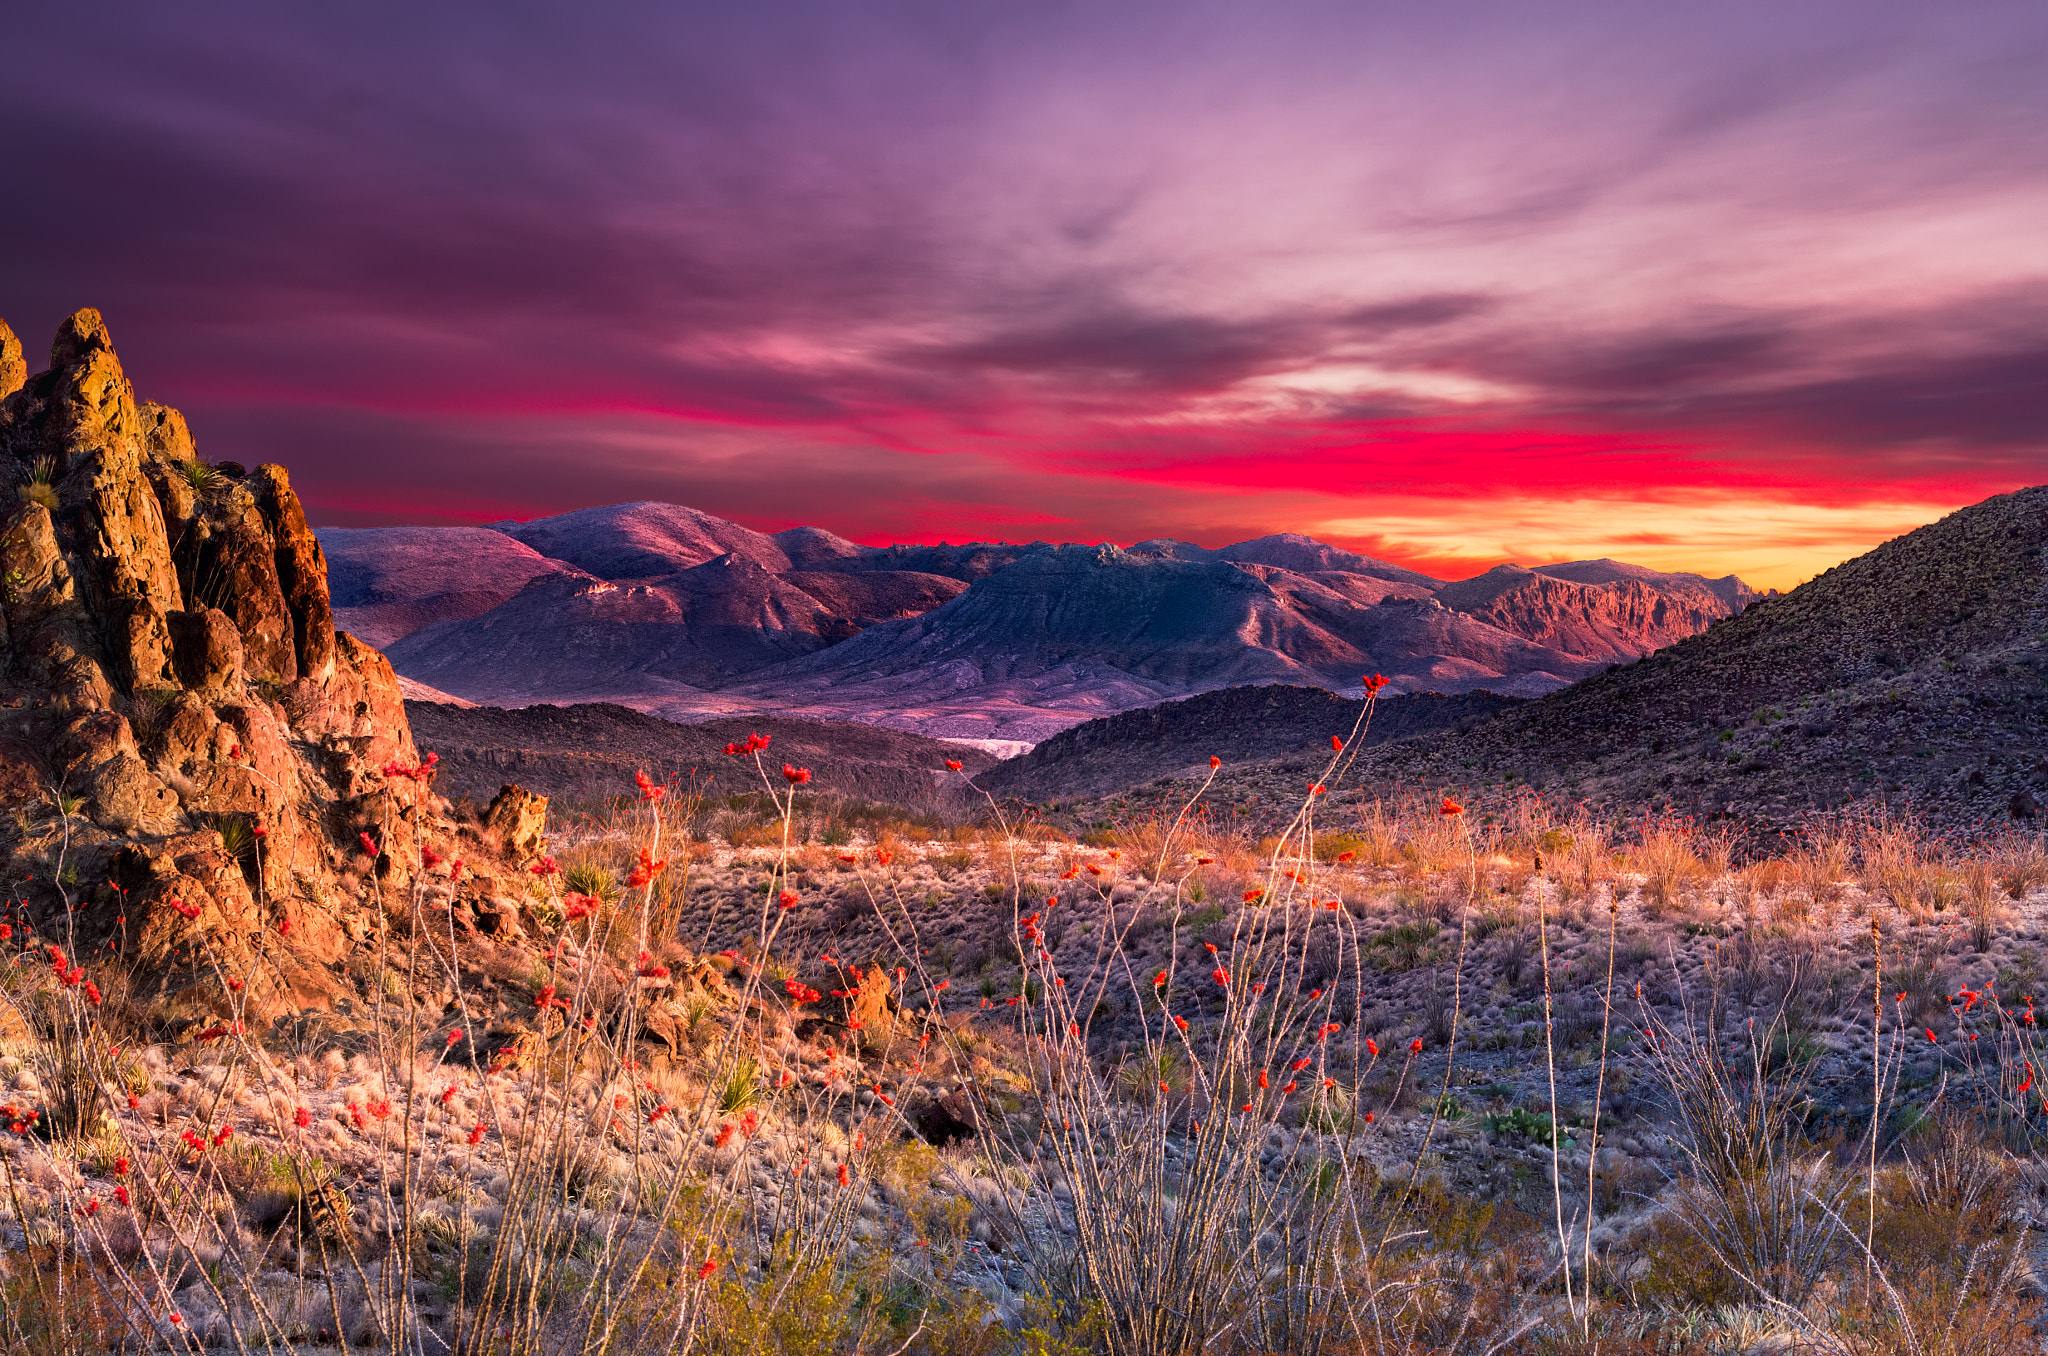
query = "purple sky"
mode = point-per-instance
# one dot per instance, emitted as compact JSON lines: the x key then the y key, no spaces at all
{"x":1733,"y":287}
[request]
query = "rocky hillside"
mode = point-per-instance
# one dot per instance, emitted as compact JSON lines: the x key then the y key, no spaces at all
{"x":190,"y":750}
{"x":1238,"y":725}
{"x":688,"y":616}
{"x":589,"y":754}
{"x":1915,"y":676}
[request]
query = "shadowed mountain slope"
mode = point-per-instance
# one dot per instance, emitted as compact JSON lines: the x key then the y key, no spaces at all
{"x":1913,"y":676}
{"x":1082,"y":631}
{"x":1237,"y":724}
{"x":590,"y":752}
{"x":390,"y":581}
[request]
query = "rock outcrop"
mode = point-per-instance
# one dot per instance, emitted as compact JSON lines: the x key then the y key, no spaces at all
{"x":200,"y":764}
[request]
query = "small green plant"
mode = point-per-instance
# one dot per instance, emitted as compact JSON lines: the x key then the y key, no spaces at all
{"x":199,"y":475}
{"x":740,"y":1086}
{"x":586,"y":878}
{"x":39,"y":483}
{"x":1518,"y":1123}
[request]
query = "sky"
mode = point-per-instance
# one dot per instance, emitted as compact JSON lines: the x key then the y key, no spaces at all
{"x":1744,"y":287}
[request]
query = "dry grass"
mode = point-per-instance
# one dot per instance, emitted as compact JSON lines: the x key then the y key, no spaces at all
{"x":1256,"y":1163}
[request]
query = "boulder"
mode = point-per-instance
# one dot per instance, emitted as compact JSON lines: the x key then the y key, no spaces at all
{"x":518,"y":819}
{"x":127,"y":797}
{"x":951,"y":1117}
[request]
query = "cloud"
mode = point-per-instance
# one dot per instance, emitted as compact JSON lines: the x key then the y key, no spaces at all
{"x":1151,"y":269}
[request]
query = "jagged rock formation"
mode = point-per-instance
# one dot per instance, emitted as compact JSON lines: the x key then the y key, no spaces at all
{"x":182,"y":722}
{"x":1621,"y":616}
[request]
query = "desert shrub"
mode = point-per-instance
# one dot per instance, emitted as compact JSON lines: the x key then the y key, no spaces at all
{"x":1664,"y":856}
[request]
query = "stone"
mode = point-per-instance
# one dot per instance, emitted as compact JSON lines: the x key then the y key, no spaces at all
{"x":23,"y":773}
{"x":2023,"y":805}
{"x":13,"y":367}
{"x":207,"y":650}
{"x":946,"y":1119}
{"x":126,"y":796}
{"x":518,"y":819}
{"x":229,"y":556}
{"x":301,"y":570}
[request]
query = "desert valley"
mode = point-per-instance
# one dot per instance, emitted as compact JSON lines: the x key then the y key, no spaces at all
{"x":625,"y":930}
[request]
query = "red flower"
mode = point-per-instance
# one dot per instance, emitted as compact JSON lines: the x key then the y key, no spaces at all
{"x":1415,"y":1046}
{"x":952,"y":765}
{"x":1346,"y":856}
{"x":1451,"y":807}
{"x":651,"y":793}
{"x":1932,"y":1040}
{"x":705,"y":1270}
{"x":1372,"y":1047}
{"x":883,"y":856}
{"x":120,"y":1167}
{"x":1221,"y":976}
{"x":1159,"y":980}
{"x":1336,"y":743}
{"x":1180,"y":1022}
{"x":1373,"y":683}
{"x":121,"y":1194}
{"x":795,"y":776}
{"x":545,"y":867}
{"x":476,"y":1134}
{"x":1317,"y":789}
{"x":369,"y":845}
{"x":650,"y":866}
{"x":1214,"y":762}
{"x":302,"y":1118}
{"x":788,"y":900}
{"x":844,"y":1175}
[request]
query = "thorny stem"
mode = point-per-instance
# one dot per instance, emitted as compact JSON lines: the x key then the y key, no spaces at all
{"x":1550,"y":1068}
{"x":1599,"y":1090}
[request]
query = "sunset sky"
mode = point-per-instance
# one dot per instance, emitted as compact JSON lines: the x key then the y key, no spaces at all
{"x":1740,"y":287}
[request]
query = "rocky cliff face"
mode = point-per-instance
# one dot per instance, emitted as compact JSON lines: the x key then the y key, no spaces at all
{"x":1622,"y":618}
{"x":180,"y":722}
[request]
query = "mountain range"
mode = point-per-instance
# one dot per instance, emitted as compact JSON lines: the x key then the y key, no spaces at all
{"x":676,"y":612}
{"x":1912,"y":679}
